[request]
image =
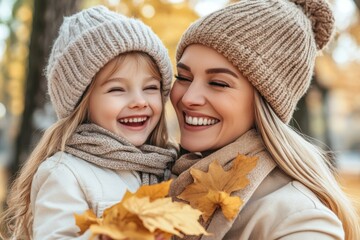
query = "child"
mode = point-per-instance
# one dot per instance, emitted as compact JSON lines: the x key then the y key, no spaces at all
{"x":241,"y":72}
{"x":108,"y":77}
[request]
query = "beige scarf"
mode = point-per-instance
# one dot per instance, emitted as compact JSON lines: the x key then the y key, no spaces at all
{"x":103,"y":148}
{"x":249,"y":144}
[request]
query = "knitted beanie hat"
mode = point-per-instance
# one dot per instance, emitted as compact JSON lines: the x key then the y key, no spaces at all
{"x":87,"y":41}
{"x":273,"y":43}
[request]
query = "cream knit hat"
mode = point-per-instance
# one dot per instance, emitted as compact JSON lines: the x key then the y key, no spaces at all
{"x":273,"y":43}
{"x":87,"y":41}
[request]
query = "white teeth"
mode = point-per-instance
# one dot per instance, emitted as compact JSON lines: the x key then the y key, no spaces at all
{"x":200,"y":121}
{"x":126,"y":120}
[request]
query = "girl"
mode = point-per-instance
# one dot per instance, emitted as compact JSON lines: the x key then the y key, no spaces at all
{"x":241,"y":71}
{"x":108,"y":77}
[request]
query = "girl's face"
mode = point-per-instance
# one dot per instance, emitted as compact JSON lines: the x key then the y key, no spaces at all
{"x":126,"y":100}
{"x":214,"y":103}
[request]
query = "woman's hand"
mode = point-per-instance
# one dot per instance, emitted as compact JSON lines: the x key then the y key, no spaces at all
{"x":104,"y":237}
{"x":158,"y":236}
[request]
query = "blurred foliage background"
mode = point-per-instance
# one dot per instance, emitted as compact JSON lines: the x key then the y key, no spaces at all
{"x":330,"y":112}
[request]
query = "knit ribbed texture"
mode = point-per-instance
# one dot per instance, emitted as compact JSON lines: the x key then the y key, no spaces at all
{"x":249,"y":144}
{"x":105,"y":149}
{"x":86,"y":42}
{"x":273,"y":43}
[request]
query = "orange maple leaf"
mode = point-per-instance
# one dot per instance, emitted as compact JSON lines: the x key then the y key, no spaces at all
{"x":85,"y":220}
{"x":143,"y":215}
{"x":154,"y":192}
{"x":212,"y":189}
{"x":165,"y":215}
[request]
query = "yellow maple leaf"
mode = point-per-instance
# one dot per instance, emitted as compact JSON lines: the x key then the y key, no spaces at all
{"x":143,"y":215}
{"x":157,"y":191}
{"x":118,"y":215}
{"x":229,"y":205}
{"x":212,"y":189}
{"x":85,"y":220}
{"x":129,"y":231}
{"x":163,"y":214}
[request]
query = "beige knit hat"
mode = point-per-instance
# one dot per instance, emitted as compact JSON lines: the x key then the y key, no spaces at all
{"x":273,"y":43}
{"x":87,"y":41}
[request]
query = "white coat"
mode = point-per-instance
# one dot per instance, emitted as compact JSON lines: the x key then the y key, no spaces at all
{"x":64,"y":185}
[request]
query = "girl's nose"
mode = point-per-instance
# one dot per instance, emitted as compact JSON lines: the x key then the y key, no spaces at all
{"x":138,"y":100}
{"x":194,"y":95}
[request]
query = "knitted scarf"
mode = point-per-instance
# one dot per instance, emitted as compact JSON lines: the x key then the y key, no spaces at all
{"x":105,"y":149}
{"x":249,"y":144}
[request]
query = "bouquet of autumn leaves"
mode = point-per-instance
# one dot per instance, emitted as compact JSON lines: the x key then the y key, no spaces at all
{"x":143,"y":215}
{"x":148,"y":212}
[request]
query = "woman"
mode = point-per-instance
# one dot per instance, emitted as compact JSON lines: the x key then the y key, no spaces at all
{"x":241,"y":71}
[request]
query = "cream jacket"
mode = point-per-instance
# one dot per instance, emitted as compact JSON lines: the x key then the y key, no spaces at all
{"x":64,"y":185}
{"x":284,"y":209}
{"x":275,"y":207}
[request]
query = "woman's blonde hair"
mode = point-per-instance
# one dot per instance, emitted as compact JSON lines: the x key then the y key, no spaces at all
{"x":18,"y":217}
{"x":305,"y":163}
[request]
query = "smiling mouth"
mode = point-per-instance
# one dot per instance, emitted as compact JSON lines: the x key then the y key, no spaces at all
{"x":133,"y":121}
{"x":200,"y":121}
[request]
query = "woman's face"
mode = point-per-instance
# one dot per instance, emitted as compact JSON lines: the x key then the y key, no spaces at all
{"x":214,"y":103}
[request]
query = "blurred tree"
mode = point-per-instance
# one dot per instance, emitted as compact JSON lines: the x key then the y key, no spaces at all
{"x":17,"y":19}
{"x":47,"y":17}
{"x":357,"y":2}
{"x":300,"y":119}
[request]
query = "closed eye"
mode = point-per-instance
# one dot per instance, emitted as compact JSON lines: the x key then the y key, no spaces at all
{"x":152,"y":87}
{"x":117,"y":89}
{"x":181,"y":78}
{"x":219,"y":84}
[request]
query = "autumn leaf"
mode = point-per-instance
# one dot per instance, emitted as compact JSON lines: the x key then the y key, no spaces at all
{"x":119,"y":215}
{"x":212,"y":189}
{"x":84,"y":221}
{"x":170,"y":217}
{"x":157,"y":191}
{"x":130,"y":231}
{"x":143,"y":215}
{"x":229,"y":205}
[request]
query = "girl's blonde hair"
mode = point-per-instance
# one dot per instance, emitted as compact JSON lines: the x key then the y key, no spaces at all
{"x":305,"y":163}
{"x":18,"y":217}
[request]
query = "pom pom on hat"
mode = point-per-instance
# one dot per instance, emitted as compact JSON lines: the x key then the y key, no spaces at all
{"x":321,"y":17}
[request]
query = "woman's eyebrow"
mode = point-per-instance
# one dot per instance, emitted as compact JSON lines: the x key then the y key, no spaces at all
{"x":221,"y":70}
{"x":183,"y":66}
